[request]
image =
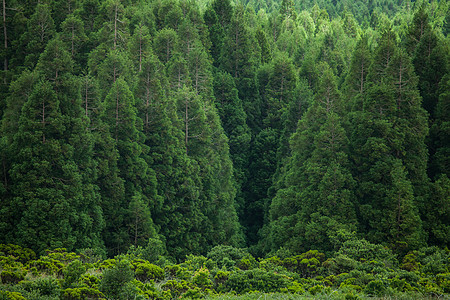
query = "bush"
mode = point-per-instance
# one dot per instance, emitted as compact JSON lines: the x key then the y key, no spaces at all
{"x":12,"y":275}
{"x":202,"y":278}
{"x":44,"y":286}
{"x":176,"y":288}
{"x":227,"y":256}
{"x":147,"y":271}
{"x":375,"y":288}
{"x":7,"y":295}
{"x":18,"y":253}
{"x":73,"y":272}
{"x":81,"y":293}
{"x":256,"y":280}
{"x":115,"y":280}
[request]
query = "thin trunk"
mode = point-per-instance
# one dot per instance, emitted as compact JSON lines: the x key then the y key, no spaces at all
{"x":186,"y":124}
{"x":73,"y":38}
{"x":4,"y":173}
{"x":117,"y":116}
{"x":361,"y":89}
{"x":5,"y":35}
{"x":140,"y":53}
{"x":147,"y":120}
{"x":86,"y":97}
{"x":236,"y":58}
{"x":43,"y":121}
{"x":136,"y":231}
{"x":115,"y":28}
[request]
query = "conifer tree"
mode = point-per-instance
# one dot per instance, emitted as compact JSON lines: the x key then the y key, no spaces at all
{"x":388,"y":135}
{"x":44,"y":181}
{"x":119,"y":114}
{"x":356,"y":79}
{"x":240,"y":58}
{"x":140,"y":45}
{"x":40,"y":29}
{"x":318,"y":179}
{"x":165,"y":44}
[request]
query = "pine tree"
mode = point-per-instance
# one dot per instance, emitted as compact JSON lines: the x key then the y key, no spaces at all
{"x":240,"y":58}
{"x":165,"y":44}
{"x":40,"y":29}
{"x":356,"y":79}
{"x":47,"y":186}
{"x":140,"y":45}
{"x":73,"y":34}
{"x":177,"y":215}
{"x":119,"y":114}
{"x":318,"y":183}
{"x":388,"y":135}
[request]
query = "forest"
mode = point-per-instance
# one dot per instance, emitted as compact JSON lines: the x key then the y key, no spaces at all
{"x":162,"y":149}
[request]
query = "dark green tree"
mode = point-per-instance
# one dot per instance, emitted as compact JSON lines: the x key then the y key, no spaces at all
{"x":388,"y":135}
{"x":240,"y":58}
{"x":318,"y":179}
{"x":40,"y":29}
{"x":119,"y":114}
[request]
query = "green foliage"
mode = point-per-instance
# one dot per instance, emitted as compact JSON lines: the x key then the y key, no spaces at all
{"x":162,"y":129}
{"x":115,"y":281}
{"x":256,"y":280}
{"x":145,"y":271}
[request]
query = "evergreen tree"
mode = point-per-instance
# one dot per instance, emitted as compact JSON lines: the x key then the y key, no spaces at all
{"x":119,"y":114}
{"x":140,"y":45}
{"x":47,"y":187}
{"x":388,"y":135}
{"x":74,"y":35}
{"x":40,"y":29}
{"x":240,"y":58}
{"x":165,"y":44}
{"x":356,"y":79}
{"x":177,"y":216}
{"x":318,"y":183}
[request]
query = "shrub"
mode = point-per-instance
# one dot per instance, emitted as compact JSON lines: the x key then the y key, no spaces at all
{"x":176,"y":288}
{"x":256,"y":279}
{"x":81,"y":293}
{"x":73,"y":272}
{"x":227,"y":256}
{"x":317,"y":289}
{"x":147,"y":271}
{"x":375,"y":287}
{"x":114,"y":281}
{"x":202,"y":278}
{"x":7,"y":295}
{"x":44,"y":286}
{"x":13,"y":275}
{"x":18,"y":253}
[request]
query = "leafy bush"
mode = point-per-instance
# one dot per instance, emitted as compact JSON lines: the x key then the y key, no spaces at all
{"x":44,"y":286}
{"x":115,"y":280}
{"x":12,"y":275}
{"x":81,"y":293}
{"x":18,"y":253}
{"x":256,"y":280}
{"x":375,"y":288}
{"x":227,"y":256}
{"x":147,"y":271}
{"x":176,"y":288}
{"x":73,"y":272}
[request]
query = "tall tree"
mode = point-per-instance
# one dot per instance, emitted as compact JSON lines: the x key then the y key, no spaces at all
{"x":318,"y":179}
{"x":240,"y":58}
{"x":388,"y":135}
{"x":119,"y":114}
{"x":40,"y":29}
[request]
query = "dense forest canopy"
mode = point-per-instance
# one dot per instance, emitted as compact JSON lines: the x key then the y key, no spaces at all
{"x":184,"y":125}
{"x":313,"y":133}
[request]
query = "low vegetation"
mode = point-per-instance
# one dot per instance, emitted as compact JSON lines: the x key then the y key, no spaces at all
{"x":355,"y":271}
